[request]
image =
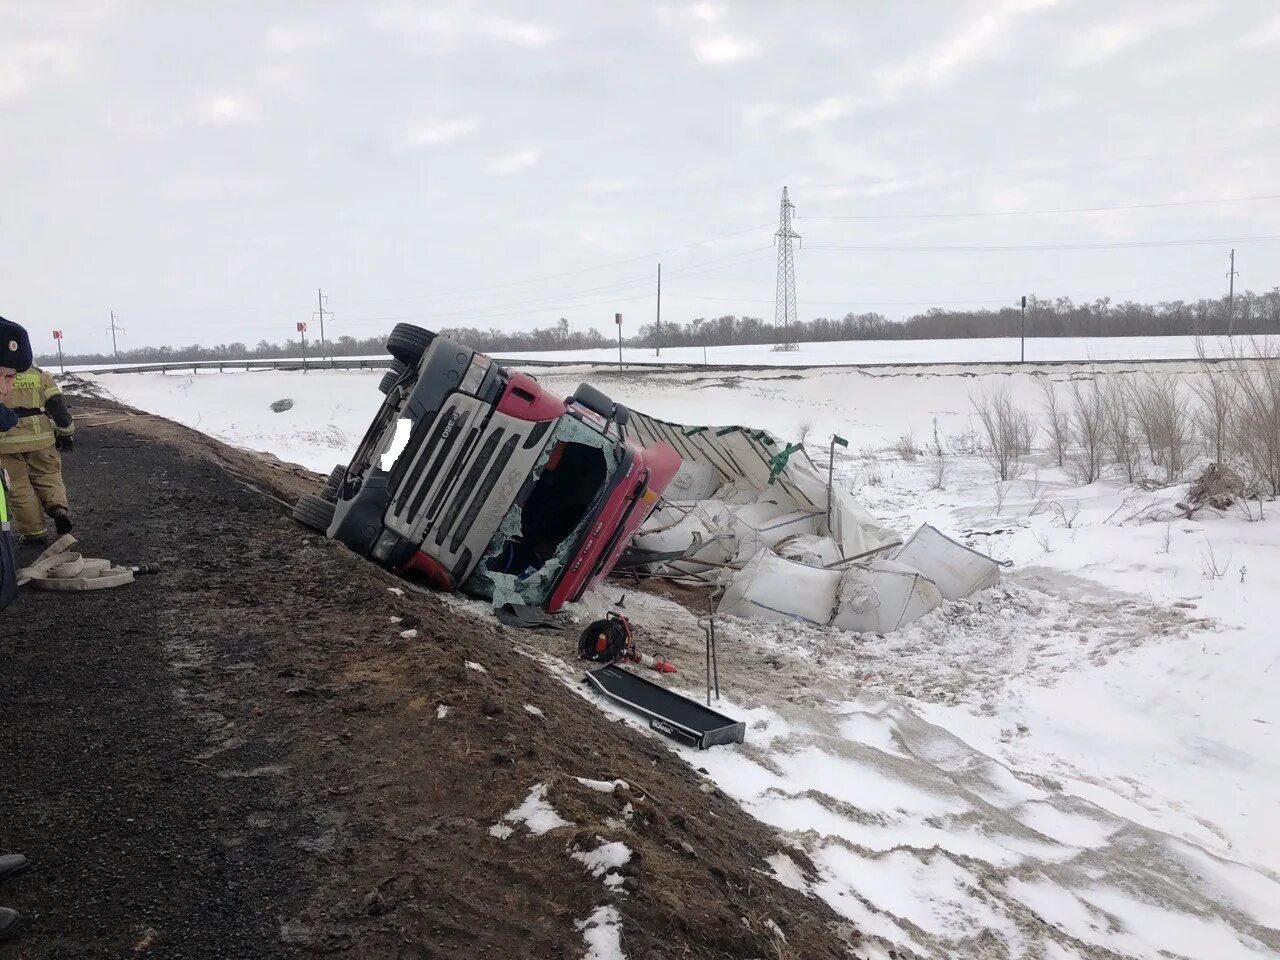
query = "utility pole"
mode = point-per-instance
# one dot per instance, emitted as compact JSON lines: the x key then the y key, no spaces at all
{"x":617,"y":318}
{"x":115,"y":352}
{"x":784,"y":300}
{"x":321,"y":300}
{"x":1023,"y":358}
{"x":1231,"y":294}
{"x":657,"y":336}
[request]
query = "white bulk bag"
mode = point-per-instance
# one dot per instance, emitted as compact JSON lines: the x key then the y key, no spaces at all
{"x":882,"y":595}
{"x":771,"y":588}
{"x":681,"y":536}
{"x":809,"y":549}
{"x":693,"y":481}
{"x":956,"y":569}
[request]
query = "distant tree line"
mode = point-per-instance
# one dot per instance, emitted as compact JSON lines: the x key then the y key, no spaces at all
{"x":1248,"y":313}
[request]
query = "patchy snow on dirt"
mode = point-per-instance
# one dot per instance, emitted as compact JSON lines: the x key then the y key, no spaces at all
{"x":537,"y":815}
{"x":1082,"y":762}
{"x":605,"y":861}
{"x":602,"y":934}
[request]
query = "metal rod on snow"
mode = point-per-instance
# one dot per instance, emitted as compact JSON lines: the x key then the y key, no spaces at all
{"x":863,"y":555}
{"x":831,"y":470}
{"x":707,"y":634}
{"x":715,"y":662}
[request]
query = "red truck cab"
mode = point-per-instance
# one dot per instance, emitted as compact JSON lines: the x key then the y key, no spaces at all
{"x":476,"y":478}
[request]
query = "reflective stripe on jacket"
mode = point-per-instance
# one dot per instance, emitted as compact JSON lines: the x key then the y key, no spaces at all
{"x":33,"y":390}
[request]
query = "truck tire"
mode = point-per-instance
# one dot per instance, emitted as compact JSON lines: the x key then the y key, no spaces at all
{"x":593,"y":400}
{"x":331,"y":485}
{"x":314,"y":512}
{"x":408,"y":343}
{"x":394,"y":373}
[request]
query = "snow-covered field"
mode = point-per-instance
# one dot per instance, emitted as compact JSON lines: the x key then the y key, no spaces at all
{"x":1080,"y":763}
{"x":873,"y":352}
{"x":992,"y":350}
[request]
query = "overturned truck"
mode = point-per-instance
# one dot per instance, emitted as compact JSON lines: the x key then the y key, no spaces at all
{"x":477,"y":479}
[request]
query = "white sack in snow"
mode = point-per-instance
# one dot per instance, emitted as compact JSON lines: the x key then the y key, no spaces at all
{"x":957,"y":570}
{"x":682,"y":535}
{"x":853,"y":528}
{"x":771,"y":588}
{"x":738,"y":491}
{"x":788,"y":525}
{"x":809,"y":549}
{"x":882,"y":595}
{"x":693,"y":481}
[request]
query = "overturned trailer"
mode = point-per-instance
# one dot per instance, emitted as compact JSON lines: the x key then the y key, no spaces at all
{"x":755,"y":516}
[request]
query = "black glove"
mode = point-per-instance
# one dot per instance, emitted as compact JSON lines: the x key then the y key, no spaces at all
{"x":24,"y":412}
{"x":65,"y":444}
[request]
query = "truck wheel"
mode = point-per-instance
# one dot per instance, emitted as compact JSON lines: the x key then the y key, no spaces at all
{"x":314,"y":512}
{"x":594,"y":400}
{"x":334,"y":483}
{"x":408,"y":343}
{"x":394,"y":373}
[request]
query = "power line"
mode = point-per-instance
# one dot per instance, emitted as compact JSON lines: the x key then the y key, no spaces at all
{"x":566,"y":273}
{"x":1038,"y":213}
{"x":908,"y":303}
{"x":997,"y":248}
{"x":563,"y":300}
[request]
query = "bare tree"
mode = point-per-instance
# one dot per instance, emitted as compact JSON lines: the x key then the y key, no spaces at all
{"x":1059,"y":425}
{"x":1122,"y":433}
{"x":1161,"y":412}
{"x":938,"y":476}
{"x":1088,"y":433}
{"x":1006,"y":429}
{"x":1254,"y":424}
{"x":1216,"y":389}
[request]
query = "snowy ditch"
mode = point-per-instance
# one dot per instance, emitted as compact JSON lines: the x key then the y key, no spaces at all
{"x":1079,"y":762}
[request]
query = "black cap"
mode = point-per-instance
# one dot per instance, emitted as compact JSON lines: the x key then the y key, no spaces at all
{"x":15,"y":346}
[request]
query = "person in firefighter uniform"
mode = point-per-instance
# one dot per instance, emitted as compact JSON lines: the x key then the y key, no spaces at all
{"x":15,"y":358}
{"x":31,"y":454}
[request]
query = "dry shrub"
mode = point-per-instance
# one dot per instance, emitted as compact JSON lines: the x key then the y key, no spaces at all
{"x":966,"y":443}
{"x":1123,"y":442}
{"x":938,"y":476}
{"x":905,"y":447}
{"x":1217,"y":393}
{"x":1058,"y":423}
{"x":1007,"y":432}
{"x":1253,"y":426}
{"x":1217,"y":486}
{"x":1163,"y":416}
{"x":1088,"y":424}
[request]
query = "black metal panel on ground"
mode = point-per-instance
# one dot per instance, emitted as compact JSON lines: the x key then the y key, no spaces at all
{"x":669,"y":712}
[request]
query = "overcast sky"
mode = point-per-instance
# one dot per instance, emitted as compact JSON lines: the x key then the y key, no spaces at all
{"x":202,"y":168}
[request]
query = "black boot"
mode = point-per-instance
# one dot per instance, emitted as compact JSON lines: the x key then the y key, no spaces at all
{"x":9,"y":920}
{"x":61,"y":520}
{"x":12,"y":864}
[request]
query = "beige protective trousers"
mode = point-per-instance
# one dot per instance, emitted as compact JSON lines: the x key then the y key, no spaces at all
{"x":35,"y":486}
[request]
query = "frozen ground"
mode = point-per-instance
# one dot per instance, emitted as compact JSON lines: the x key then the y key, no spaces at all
{"x":1082,"y":763}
